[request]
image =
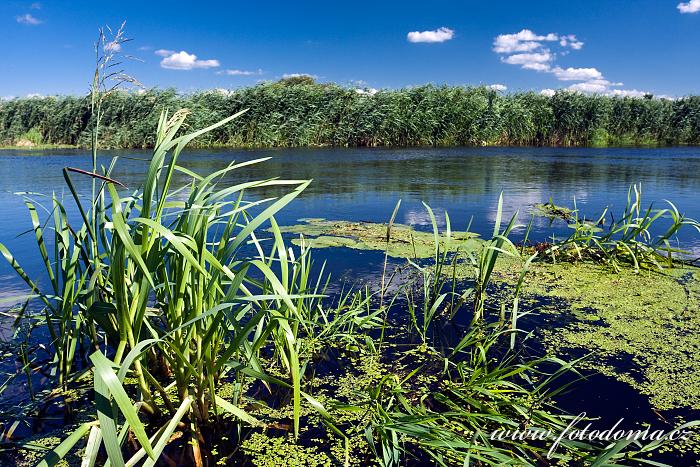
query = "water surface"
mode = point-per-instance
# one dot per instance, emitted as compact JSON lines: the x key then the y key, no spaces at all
{"x":365,"y":184}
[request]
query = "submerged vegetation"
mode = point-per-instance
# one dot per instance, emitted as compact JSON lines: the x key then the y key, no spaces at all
{"x":300,"y":112}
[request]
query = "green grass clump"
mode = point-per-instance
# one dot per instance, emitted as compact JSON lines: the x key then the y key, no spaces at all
{"x":600,"y":138}
{"x":629,"y":239}
{"x":32,"y":136}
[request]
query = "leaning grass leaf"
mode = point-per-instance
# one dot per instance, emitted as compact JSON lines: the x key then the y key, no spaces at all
{"x":163,"y":436}
{"x":60,"y":451}
{"x":237,"y":412}
{"x":93,"y":447}
{"x":103,"y":371}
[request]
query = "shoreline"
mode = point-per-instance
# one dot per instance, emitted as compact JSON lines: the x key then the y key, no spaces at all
{"x":46,"y":147}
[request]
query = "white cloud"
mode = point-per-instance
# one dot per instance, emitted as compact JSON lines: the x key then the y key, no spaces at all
{"x":577,"y":74}
{"x":516,"y":46}
{"x":258,"y":72}
{"x":439,"y":35}
{"x":536,"y":52}
{"x":298,"y":75}
{"x":523,"y":41}
{"x":531,"y":61}
{"x":164,"y":52}
{"x":497,"y":87}
{"x":533,"y":51}
{"x":570,"y":41}
{"x":521,"y":59}
{"x":184,"y":61}
{"x":693,"y":6}
{"x":590,"y":87}
{"x":28,"y":20}
{"x":628,"y":93}
{"x":367,"y":91}
{"x":536,"y":66}
{"x":603,"y":87}
{"x":597,"y":86}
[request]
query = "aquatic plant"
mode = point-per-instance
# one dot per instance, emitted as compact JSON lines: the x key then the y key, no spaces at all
{"x":432,"y":280}
{"x":453,"y":422}
{"x":628,"y":239}
{"x":438,"y":279}
{"x":180,"y":303}
{"x":552,"y":211}
{"x":404,"y":241}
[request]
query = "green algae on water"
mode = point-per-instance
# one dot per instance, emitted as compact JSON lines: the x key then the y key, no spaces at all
{"x":552,"y":211}
{"x":405,"y":241}
{"x":643,"y":329}
{"x":266,"y":451}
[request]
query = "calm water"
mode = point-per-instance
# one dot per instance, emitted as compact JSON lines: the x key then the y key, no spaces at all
{"x":365,"y":184}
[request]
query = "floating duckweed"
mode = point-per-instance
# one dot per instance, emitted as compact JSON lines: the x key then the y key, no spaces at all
{"x":41,"y":444}
{"x":650,"y":319}
{"x":551,"y":211}
{"x":406,"y":242}
{"x":266,"y":451}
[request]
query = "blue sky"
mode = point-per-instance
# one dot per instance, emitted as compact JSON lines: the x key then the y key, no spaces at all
{"x":619,"y":46}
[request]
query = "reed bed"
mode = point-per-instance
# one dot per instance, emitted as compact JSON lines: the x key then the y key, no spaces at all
{"x":299,"y":112}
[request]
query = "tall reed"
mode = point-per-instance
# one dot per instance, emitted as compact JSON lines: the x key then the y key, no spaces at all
{"x":303,"y":113}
